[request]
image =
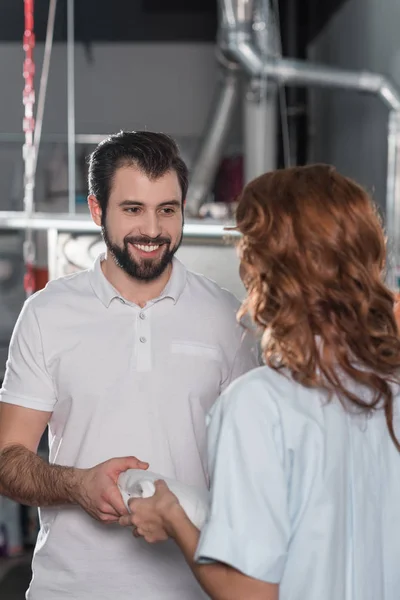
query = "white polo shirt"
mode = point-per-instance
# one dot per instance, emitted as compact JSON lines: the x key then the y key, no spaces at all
{"x":120,"y":381}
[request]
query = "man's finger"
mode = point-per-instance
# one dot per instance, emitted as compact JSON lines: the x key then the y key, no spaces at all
{"x":125,"y":521}
{"x":108,"y":519}
{"x":129,"y":462}
{"x":115,"y":501}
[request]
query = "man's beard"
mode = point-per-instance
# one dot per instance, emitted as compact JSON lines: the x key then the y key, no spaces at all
{"x":145,"y":270}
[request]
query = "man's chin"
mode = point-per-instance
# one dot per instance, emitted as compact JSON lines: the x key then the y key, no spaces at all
{"x":149,"y":276}
{"x":149,"y":269}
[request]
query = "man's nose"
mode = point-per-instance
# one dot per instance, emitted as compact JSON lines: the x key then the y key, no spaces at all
{"x":150,"y":226}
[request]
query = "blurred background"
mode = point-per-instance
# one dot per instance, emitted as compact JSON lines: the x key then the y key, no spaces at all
{"x":244,"y":86}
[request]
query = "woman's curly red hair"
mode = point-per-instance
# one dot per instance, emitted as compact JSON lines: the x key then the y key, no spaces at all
{"x":313,"y":253}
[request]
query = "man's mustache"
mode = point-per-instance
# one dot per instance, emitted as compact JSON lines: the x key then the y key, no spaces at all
{"x":143,"y":240}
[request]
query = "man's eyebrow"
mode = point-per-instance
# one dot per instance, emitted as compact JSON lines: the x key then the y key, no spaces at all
{"x":131,"y":203}
{"x":139,"y":203}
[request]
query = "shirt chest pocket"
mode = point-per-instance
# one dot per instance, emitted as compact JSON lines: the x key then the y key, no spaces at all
{"x":200,"y":366}
{"x":192,"y":349}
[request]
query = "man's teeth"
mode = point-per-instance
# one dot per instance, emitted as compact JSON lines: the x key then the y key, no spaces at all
{"x":146,"y":248}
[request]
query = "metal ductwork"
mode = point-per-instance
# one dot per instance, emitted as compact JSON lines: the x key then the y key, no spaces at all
{"x":237,"y":44}
{"x":210,"y":151}
{"x":236,"y":35}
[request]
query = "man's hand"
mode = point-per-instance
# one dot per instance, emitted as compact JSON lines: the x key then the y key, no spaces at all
{"x":154,"y":518}
{"x":98,"y":493}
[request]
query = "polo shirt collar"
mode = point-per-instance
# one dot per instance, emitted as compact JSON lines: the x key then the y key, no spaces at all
{"x":106,"y":292}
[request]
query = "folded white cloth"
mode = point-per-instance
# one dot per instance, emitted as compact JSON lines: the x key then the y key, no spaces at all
{"x":136,"y":483}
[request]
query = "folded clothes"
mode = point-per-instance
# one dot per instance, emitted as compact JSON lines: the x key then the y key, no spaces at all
{"x":136,"y":483}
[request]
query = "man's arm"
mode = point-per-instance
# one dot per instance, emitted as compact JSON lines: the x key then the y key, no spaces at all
{"x":28,"y":479}
{"x":27,"y":400}
{"x":24,"y":476}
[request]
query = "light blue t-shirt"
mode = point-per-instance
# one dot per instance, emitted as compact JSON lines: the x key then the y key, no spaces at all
{"x":304,"y":493}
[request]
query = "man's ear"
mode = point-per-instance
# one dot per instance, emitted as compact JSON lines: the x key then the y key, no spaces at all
{"x":95,"y":209}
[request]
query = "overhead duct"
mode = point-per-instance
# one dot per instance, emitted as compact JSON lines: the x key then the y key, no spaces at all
{"x":260,"y":99}
{"x":216,"y":130}
{"x":237,"y":44}
{"x":236,"y":35}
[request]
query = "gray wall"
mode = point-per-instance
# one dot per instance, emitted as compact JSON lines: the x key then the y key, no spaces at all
{"x":350,"y":129}
{"x":166,"y":87}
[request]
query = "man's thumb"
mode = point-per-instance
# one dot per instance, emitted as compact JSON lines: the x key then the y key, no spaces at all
{"x":130,"y":462}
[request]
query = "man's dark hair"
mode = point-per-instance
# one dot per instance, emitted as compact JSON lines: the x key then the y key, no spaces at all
{"x":153,"y":153}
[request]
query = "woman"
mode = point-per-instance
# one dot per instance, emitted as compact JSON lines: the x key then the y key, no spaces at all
{"x":303,"y":452}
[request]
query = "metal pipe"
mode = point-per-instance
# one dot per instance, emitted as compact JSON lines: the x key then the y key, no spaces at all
{"x":393,"y":200}
{"x":236,"y":40}
{"x":236,"y":35}
{"x":234,"y":13}
{"x":211,"y":146}
{"x":260,"y":119}
{"x":199,"y":231}
{"x":71,"y":106}
{"x":80,"y":138}
{"x":260,"y":102}
{"x":44,"y":77}
{"x":297,"y":72}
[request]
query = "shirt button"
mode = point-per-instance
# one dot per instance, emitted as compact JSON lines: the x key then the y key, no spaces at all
{"x":142,"y":315}
{"x":143,"y":340}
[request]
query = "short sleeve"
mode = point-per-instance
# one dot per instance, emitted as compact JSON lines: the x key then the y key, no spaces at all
{"x":247,"y":356}
{"x":27,"y":382}
{"x":249,"y":524}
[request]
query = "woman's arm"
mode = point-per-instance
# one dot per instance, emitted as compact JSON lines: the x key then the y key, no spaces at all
{"x":220,"y":581}
{"x":161,"y":516}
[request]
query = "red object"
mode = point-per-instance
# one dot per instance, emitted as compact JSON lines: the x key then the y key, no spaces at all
{"x":229,"y":180}
{"x":29,"y":280}
{"x":28,"y":46}
{"x":35,"y":279}
{"x":41,"y":278}
{"x":28,"y":126}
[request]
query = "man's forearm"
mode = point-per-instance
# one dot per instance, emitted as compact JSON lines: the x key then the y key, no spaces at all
{"x":28,"y":479}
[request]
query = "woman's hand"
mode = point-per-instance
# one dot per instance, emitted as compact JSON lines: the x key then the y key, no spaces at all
{"x":152,"y":518}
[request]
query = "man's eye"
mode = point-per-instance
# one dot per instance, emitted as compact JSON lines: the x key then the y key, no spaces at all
{"x":132,"y":209}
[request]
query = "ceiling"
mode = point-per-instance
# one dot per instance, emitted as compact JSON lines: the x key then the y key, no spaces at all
{"x":147,"y":20}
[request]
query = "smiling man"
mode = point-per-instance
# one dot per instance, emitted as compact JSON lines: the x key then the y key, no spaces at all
{"x":123,"y":360}
{"x":141,"y":214}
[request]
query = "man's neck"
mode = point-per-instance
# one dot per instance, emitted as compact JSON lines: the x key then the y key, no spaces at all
{"x":135,"y":291}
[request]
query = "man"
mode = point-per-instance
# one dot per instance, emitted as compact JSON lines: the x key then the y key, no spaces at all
{"x":122,"y":360}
